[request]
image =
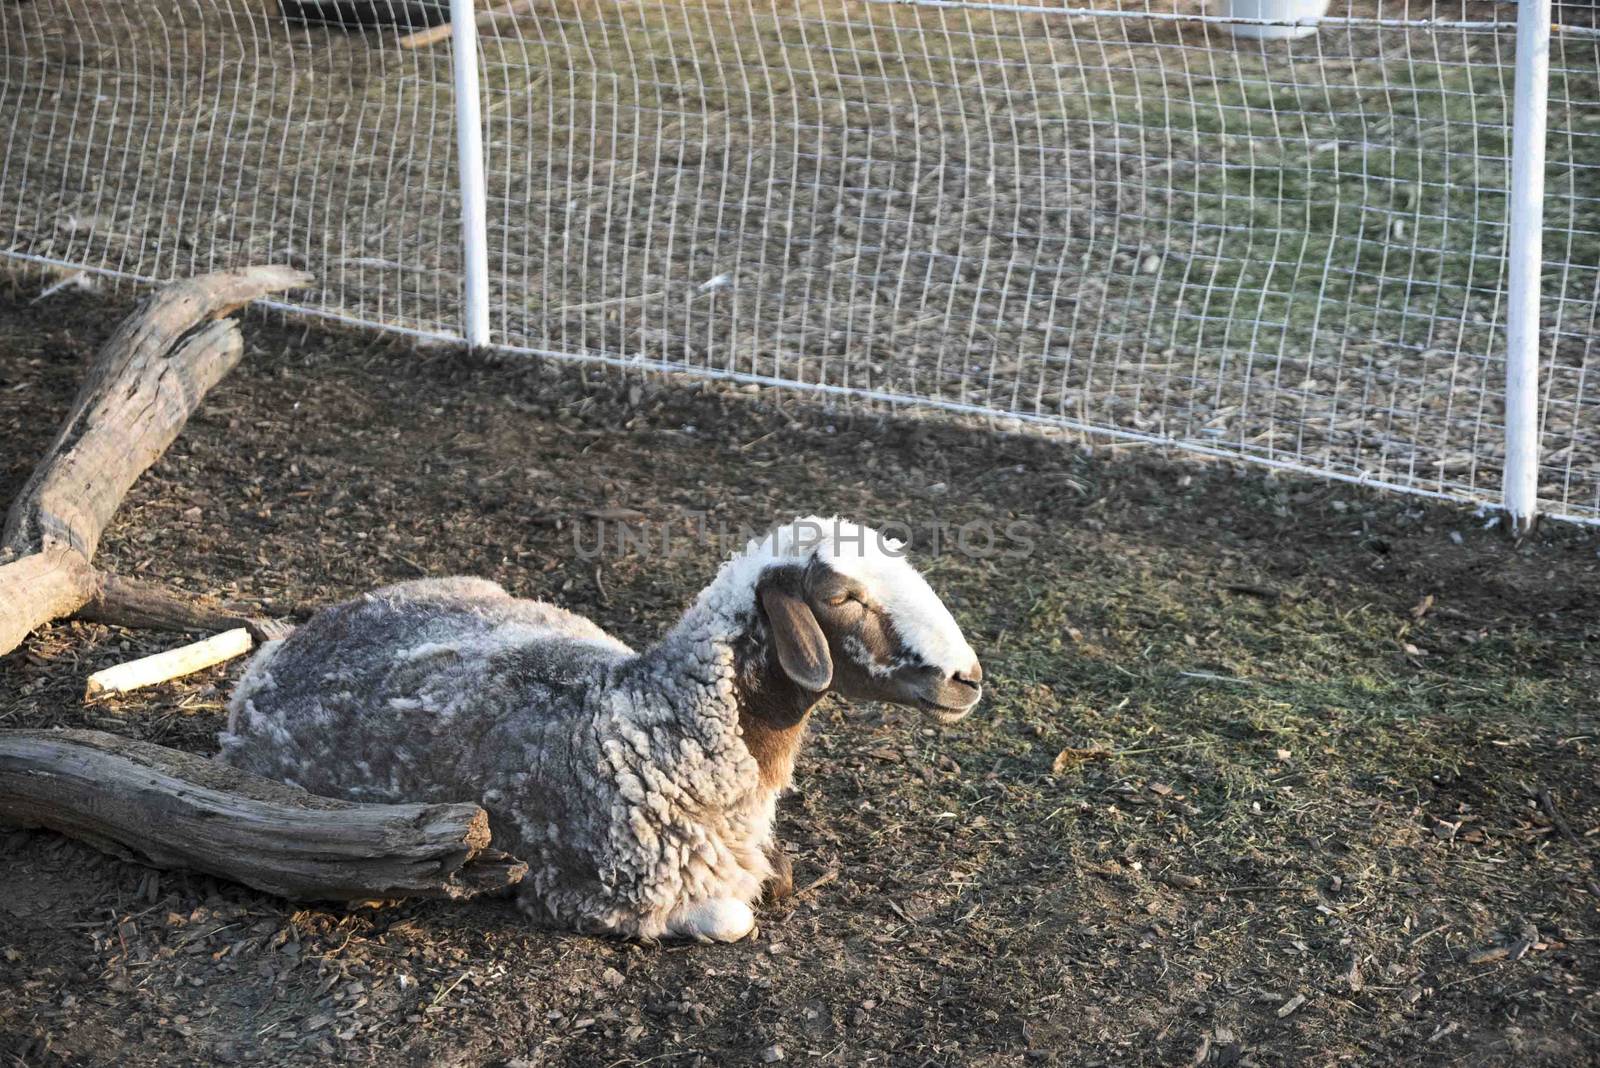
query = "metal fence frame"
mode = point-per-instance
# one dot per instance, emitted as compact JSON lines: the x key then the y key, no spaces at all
{"x":1523,"y":415}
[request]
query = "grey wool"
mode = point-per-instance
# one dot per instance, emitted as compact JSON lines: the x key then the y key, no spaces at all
{"x":639,"y":787}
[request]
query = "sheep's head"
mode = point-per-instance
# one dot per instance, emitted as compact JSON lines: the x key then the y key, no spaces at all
{"x":852,"y":616}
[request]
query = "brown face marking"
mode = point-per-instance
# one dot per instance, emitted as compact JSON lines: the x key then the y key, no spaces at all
{"x":772,"y":708}
{"x":870,"y":662}
{"x":881,"y":642}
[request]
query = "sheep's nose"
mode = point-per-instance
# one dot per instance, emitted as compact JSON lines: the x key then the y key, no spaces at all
{"x":972,"y":676}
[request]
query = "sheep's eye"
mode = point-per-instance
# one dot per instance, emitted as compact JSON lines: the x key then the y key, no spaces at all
{"x":839,"y":599}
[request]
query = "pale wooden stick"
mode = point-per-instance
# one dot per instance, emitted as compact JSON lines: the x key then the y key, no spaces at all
{"x":172,"y":664}
{"x":435,"y":34}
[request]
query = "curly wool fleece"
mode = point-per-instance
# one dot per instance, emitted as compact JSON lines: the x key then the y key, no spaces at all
{"x":621,"y":778}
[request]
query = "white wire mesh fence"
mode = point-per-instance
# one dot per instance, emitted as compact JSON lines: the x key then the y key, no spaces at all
{"x":159,"y":140}
{"x":1129,"y":222}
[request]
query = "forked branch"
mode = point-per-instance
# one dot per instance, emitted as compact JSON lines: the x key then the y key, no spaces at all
{"x":139,"y":392}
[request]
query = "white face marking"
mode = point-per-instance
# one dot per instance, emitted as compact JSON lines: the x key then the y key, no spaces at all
{"x":921,"y":620}
{"x":923,"y":623}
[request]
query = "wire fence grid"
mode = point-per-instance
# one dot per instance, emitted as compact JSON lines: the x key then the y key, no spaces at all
{"x":1129,"y":222}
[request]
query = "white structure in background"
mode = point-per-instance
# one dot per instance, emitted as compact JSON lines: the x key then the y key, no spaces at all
{"x":1282,"y":20}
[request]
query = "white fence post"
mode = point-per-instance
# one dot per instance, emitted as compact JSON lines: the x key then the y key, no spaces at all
{"x":1525,"y":249}
{"x":469,"y":151}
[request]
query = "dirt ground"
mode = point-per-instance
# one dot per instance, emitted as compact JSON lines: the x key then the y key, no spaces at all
{"x":1257,"y":781}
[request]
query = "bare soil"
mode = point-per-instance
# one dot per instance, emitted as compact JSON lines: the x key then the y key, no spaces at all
{"x":1258,"y":782}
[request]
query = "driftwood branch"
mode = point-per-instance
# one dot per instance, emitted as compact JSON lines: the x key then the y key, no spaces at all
{"x":139,"y":392}
{"x":125,"y":602}
{"x":172,"y":809}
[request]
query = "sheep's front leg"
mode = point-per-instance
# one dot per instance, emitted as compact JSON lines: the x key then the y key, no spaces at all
{"x":722,"y":919}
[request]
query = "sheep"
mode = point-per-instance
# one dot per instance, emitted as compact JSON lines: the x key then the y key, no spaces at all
{"x":639,"y":787}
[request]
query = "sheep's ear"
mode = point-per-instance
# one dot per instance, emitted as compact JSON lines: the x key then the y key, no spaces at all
{"x":802,"y":647}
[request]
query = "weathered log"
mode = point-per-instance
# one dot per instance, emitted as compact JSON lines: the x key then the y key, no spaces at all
{"x":172,"y":809}
{"x":125,"y":602}
{"x":40,"y":587}
{"x":139,"y":391}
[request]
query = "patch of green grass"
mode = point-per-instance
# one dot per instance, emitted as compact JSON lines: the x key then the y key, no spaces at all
{"x":1161,"y":660}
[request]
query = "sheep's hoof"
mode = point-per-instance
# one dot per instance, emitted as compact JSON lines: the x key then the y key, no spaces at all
{"x":720,"y":920}
{"x":781,"y":886}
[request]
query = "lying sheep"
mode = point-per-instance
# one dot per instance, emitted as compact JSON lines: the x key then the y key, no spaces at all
{"x":639,"y":787}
